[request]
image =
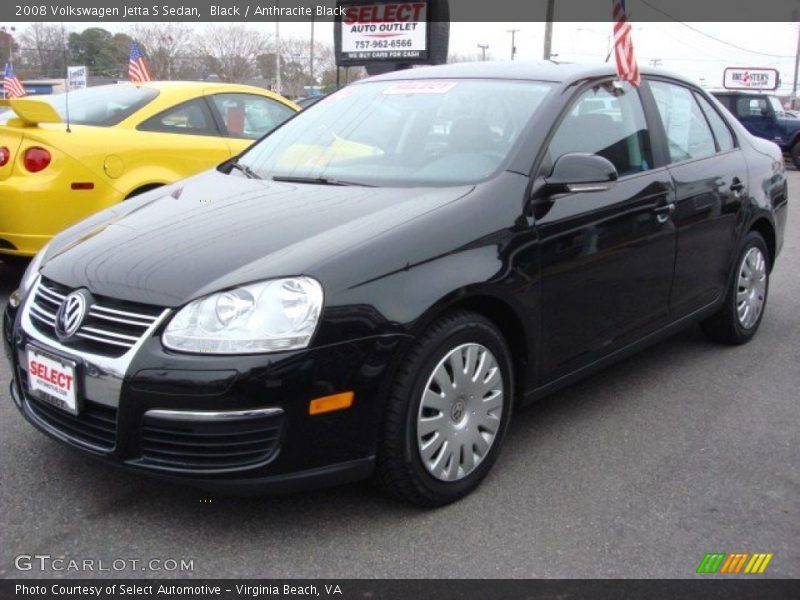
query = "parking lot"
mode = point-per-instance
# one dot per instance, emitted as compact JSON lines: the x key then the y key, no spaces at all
{"x":686,"y":448}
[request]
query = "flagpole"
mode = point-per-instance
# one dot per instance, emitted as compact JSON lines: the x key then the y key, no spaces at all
{"x":66,"y":74}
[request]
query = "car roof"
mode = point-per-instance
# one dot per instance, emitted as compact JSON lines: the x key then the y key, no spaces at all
{"x":566,"y":73}
{"x":171,"y":91}
{"x":172,"y":88}
{"x":740,"y":92}
{"x":164,"y":86}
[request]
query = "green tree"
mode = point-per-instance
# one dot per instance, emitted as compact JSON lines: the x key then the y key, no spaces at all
{"x":8,"y":45}
{"x":103,"y":53}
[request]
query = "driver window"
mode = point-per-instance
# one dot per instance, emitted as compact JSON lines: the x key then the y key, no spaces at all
{"x":608,"y":121}
{"x":751,"y":107}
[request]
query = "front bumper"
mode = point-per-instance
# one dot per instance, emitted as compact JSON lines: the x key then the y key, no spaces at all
{"x":276,"y":446}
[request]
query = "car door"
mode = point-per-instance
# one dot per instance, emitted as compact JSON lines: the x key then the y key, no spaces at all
{"x":710,"y":175}
{"x":184,"y":139}
{"x":606,"y":257}
{"x":248,"y":117}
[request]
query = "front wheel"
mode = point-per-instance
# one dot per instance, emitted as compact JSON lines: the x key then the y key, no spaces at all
{"x":741,"y":314}
{"x":447,"y":413}
{"x":795,"y":154}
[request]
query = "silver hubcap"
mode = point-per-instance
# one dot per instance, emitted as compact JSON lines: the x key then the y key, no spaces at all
{"x":752,"y":288}
{"x":460,"y":411}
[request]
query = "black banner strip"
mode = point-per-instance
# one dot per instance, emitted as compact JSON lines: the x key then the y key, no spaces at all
{"x":204,"y":11}
{"x":734,"y":588}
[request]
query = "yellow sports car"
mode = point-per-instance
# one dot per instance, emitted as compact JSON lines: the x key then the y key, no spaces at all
{"x":64,"y":157}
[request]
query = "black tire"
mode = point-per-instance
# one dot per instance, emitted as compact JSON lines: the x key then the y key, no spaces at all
{"x":15,"y":263}
{"x":145,"y":188}
{"x":795,"y":154}
{"x":725,"y":327}
{"x":400,"y":470}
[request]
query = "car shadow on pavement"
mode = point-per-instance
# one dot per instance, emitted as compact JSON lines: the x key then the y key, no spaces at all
{"x":103,"y":490}
{"x":10,"y":274}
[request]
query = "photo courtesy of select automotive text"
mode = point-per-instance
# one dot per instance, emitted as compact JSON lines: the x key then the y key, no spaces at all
{"x":399,"y":299}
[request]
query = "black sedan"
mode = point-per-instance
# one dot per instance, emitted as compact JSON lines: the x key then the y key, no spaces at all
{"x":374,"y":287}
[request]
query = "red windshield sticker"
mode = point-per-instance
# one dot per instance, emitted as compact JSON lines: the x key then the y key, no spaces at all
{"x":421,"y":87}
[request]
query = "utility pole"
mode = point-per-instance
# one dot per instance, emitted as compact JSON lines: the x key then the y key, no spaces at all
{"x":655,"y":62}
{"x":484,"y":48}
{"x":548,"y":30}
{"x":311,"y":57}
{"x":513,"y":33}
{"x":793,"y":101}
{"x":278,"y":85}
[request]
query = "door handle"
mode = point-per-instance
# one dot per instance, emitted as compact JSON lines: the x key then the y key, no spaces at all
{"x":664,"y":212}
{"x":737,"y":185}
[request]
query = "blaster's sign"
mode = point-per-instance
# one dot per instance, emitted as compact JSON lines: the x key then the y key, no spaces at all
{"x":396,"y":31}
{"x":743,"y":78}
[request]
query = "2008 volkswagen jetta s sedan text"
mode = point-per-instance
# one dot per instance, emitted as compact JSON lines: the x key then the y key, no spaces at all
{"x":375,"y":287}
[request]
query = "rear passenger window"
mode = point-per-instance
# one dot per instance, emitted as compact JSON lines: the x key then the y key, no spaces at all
{"x":718,"y":126}
{"x":688,"y":134}
{"x":609,"y":121}
{"x":192,"y":117}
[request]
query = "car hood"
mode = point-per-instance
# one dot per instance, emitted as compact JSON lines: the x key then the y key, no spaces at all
{"x":213,"y":231}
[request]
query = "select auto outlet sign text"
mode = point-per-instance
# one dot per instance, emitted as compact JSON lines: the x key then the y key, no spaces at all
{"x":384,"y":32}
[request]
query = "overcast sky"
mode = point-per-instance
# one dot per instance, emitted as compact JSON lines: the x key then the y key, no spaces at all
{"x":686,"y":48}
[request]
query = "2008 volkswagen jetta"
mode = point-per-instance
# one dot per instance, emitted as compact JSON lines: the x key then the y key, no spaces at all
{"x":373,"y":288}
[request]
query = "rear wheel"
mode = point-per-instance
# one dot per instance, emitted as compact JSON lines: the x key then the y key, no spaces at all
{"x":741,"y":314}
{"x":448,"y":412}
{"x":143,"y":189}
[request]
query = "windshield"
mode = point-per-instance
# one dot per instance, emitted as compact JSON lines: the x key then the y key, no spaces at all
{"x":776,"y":104}
{"x":104,"y":105}
{"x":401,"y":133}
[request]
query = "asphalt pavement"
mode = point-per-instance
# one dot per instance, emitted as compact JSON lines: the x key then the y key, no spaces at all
{"x":638,"y":471}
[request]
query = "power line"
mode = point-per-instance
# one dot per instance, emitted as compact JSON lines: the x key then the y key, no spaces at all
{"x":711,"y":37}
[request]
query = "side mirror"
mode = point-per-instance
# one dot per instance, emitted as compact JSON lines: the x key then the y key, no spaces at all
{"x":581,"y":172}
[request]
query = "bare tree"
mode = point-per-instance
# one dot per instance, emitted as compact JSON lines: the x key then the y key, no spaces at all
{"x":455,"y":57}
{"x":167,"y":47}
{"x":43,"y":48}
{"x":296,"y":64}
{"x":234,"y":50}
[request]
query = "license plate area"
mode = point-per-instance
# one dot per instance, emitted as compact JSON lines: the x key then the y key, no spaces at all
{"x":53,"y":379}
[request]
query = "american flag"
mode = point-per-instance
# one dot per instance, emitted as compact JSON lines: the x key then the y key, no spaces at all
{"x":11,"y":85}
{"x":627,"y":69}
{"x":137,"y":67}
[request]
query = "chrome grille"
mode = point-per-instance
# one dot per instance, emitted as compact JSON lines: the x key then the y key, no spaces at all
{"x":110,"y":328}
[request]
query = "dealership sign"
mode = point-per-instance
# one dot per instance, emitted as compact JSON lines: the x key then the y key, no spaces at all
{"x":396,"y":31}
{"x":384,"y":35}
{"x":76,"y":77}
{"x":743,"y":78}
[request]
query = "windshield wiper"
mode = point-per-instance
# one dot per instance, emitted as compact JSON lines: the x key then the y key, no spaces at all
{"x":317,"y":180}
{"x":249,"y":173}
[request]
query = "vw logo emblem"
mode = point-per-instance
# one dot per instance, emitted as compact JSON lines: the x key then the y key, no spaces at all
{"x":70,"y":314}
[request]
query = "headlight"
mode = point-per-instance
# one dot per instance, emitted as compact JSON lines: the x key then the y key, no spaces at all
{"x":28,"y":278}
{"x":269,"y":316}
